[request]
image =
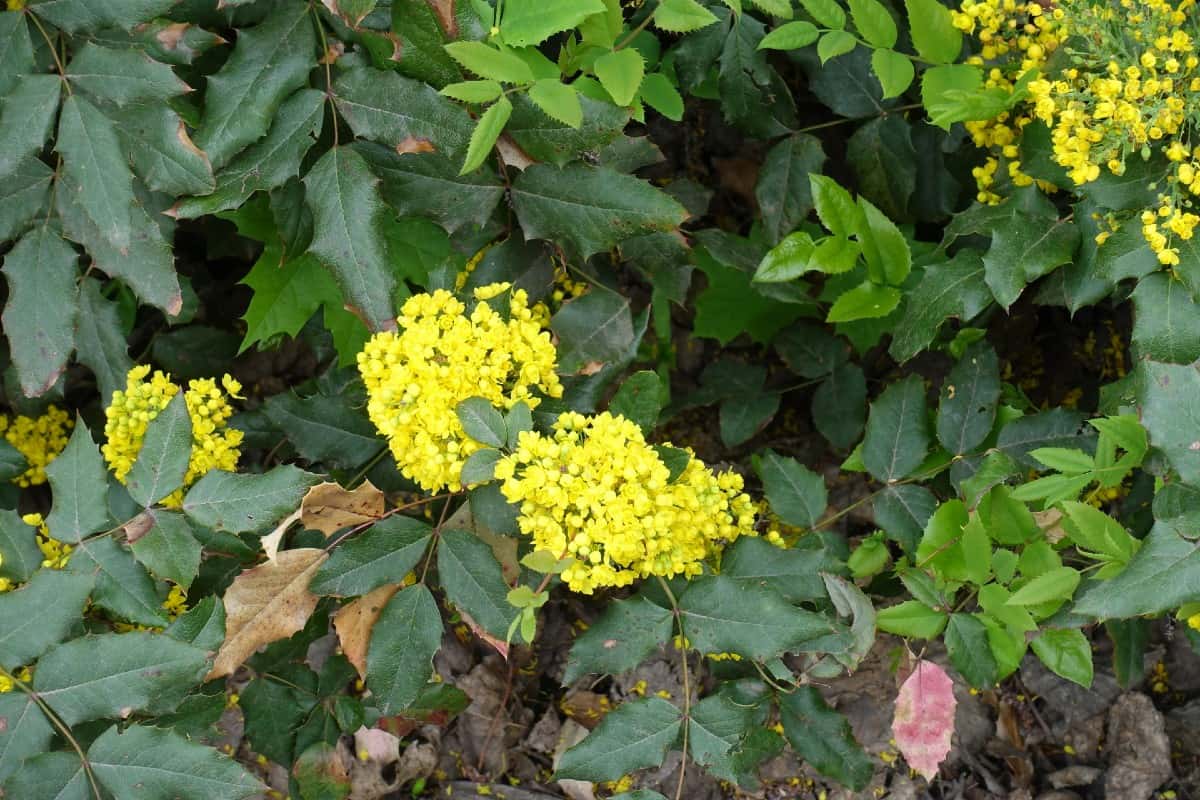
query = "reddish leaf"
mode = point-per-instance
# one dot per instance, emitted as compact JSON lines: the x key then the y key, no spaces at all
{"x":924,"y":720}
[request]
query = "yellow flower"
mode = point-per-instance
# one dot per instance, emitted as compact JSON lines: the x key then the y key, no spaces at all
{"x":214,"y":443}
{"x":417,"y":376}
{"x":596,"y":492}
{"x":39,"y":440}
{"x":54,"y":553}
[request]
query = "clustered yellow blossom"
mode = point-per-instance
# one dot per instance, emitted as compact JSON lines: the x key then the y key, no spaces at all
{"x":214,"y":443}
{"x":39,"y":440}
{"x":595,"y":491}
{"x":416,"y":376}
{"x":24,"y":675}
{"x":1015,"y":37}
{"x":1125,"y":84}
{"x":54,"y":552}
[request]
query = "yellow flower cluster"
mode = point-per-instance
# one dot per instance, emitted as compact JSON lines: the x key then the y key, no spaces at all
{"x":54,"y":552}
{"x":24,"y":675}
{"x":596,"y":492}
{"x":417,"y":376}
{"x":39,"y":440}
{"x":1015,"y":38}
{"x":214,"y":443}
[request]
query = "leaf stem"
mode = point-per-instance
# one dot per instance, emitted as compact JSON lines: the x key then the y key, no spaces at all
{"x":687,"y":689}
{"x":633,"y":34}
{"x":362,"y":473}
{"x":328,"y":77}
{"x":62,"y":728}
{"x":62,"y":71}
{"x":833,"y":123}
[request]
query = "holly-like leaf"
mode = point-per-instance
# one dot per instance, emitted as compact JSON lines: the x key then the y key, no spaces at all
{"x":784,"y":191}
{"x":24,"y":196}
{"x":794,"y":572}
{"x":16,"y":50}
{"x":79,"y":15}
{"x":897,"y":437}
{"x":26,"y":733}
{"x":20,"y":556}
{"x":924,"y":718}
{"x":626,"y":634}
{"x":634,"y":735}
{"x":796,"y":494}
{"x":246,"y":503}
{"x":404,"y":641}
{"x":169,"y":549}
{"x":26,"y":119}
{"x":39,"y":317}
{"x":267,"y":603}
{"x":404,"y":114}
{"x":1024,"y":248}
{"x":382,"y":554}
{"x":969,"y":398}
{"x":269,"y":62}
{"x":38,"y":615}
{"x":822,"y":737}
{"x":1160,"y":576}
{"x":79,"y":484}
{"x":593,"y":330}
{"x":593,"y":208}
{"x":122,"y":76}
{"x":94,"y":161}
{"x":473,"y":581}
{"x":324,"y":429}
{"x":162,"y":763}
{"x":286,"y":295}
{"x":347,"y":237}
{"x":162,"y":461}
{"x":112,"y":675}
{"x":1166,"y":323}
{"x":1170,"y":400}
{"x":123,"y":587}
{"x":99,"y":340}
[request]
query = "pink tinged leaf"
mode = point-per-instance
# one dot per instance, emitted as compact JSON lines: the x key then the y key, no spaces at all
{"x":924,"y":720}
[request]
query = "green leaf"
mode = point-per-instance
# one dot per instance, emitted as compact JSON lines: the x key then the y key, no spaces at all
{"x":111,"y":675}
{"x":866,"y":301}
{"x":636,"y":734}
{"x":659,"y":93}
{"x":162,"y":461}
{"x":1170,"y":407}
{"x":682,"y":16}
{"x":883,"y":245}
{"x":79,"y":483}
{"x":742,"y":418}
{"x":1166,"y":320}
{"x":16,"y":50}
{"x":834,"y":44}
{"x":967,"y":644}
{"x":874,"y":22}
{"x":324,"y":429}
{"x":169,"y":549}
{"x":810,"y":350}
{"x":827,"y":13}
{"x":1129,"y":638}
{"x":784,"y":191}
{"x":1056,"y":584}
{"x":123,"y":587}
{"x":1161,"y":576}
{"x":39,"y":615}
{"x":835,"y":207}
{"x":482,"y":422}
{"x":473,"y":581}
{"x":894,"y":70}
{"x":78,"y":15}
{"x":26,"y":733}
{"x":969,"y":395}
{"x":383,"y":553}
{"x":266,"y":164}
{"x":796,"y":494}
{"x":1066,"y":653}
{"x":592,"y":208}
{"x":794,"y":572}
{"x":595,"y":329}
{"x":403,"y":643}
{"x":531,"y":22}
{"x":822,"y":737}
{"x":912,"y":619}
{"x":480,"y":466}
{"x":39,"y":316}
{"x":720,"y":614}
{"x":122,"y":76}
{"x":100,"y":341}
{"x":20,"y":556}
{"x":625,"y":635}
{"x":620,"y":73}
{"x":490,"y":62}
{"x":487,"y":131}
{"x":203,"y":625}
{"x":401,"y":113}
{"x":933,"y":33}
{"x":716,"y":727}
{"x":352,"y":11}
{"x":1093,"y":530}
{"x":839,"y":405}
{"x":558,"y":100}
{"x":286,"y":295}
{"x":545,"y":139}
{"x":954,"y":288}
{"x":897,"y":437}
{"x":161,"y":763}
{"x":24,"y":196}
{"x":639,"y":399}
{"x":790,"y":36}
{"x":93,"y":159}
{"x":347,"y":211}
{"x":777,"y":8}
{"x":787,"y":260}
{"x":1024,"y":248}
{"x":270,"y":61}
{"x":884,"y":161}
{"x":26,"y":119}
{"x":246,"y":503}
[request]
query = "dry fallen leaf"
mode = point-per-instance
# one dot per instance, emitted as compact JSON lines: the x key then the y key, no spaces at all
{"x":328,"y":507}
{"x":271,"y":542}
{"x":139,"y":526}
{"x":924,"y":720}
{"x":354,"y":621}
{"x":265,"y":604}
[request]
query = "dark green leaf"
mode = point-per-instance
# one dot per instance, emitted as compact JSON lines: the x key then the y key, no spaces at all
{"x":16,"y":50}
{"x":40,"y":614}
{"x":897,"y":437}
{"x":401,"y":113}
{"x":625,"y":635}
{"x":794,"y":572}
{"x":954,"y":288}
{"x":593,"y":330}
{"x":797,"y":494}
{"x":26,"y":119}
{"x":1066,"y":652}
{"x":246,"y":503}
{"x":162,"y":461}
{"x":822,"y":737}
{"x":716,"y":727}
{"x":78,"y":15}
{"x":123,"y":587}
{"x":1166,"y":320}
{"x":324,"y":429}
{"x":741,"y":418}
{"x":26,"y":732}
{"x":39,"y":317}
{"x":839,"y":406}
{"x":639,"y":399}
{"x":634,"y":735}
{"x":203,"y":625}
{"x":1161,"y":576}
{"x":20,"y":555}
{"x":730,"y":305}
{"x":547,"y":139}
{"x":967,"y":644}
{"x":482,"y":422}
{"x":79,"y":483}
{"x":23,"y":196}
{"x":473,"y":581}
{"x":1170,"y":409}
{"x":273,"y":712}
{"x":403,"y":643}
{"x":882,"y":156}
{"x":1024,"y":248}
{"x":783,"y":190}
{"x":969,"y":397}
{"x":93,"y":159}
{"x":160,"y":763}
{"x":169,"y":549}
{"x":100,"y":340}
{"x":122,"y":76}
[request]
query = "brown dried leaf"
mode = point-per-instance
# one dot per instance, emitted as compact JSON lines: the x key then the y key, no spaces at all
{"x":328,"y":507}
{"x":1050,"y":521}
{"x":139,"y":526}
{"x":265,"y":604}
{"x":414,"y":145}
{"x":511,"y":153}
{"x":271,"y":542}
{"x":444,"y":9}
{"x":170,"y":36}
{"x":354,"y":621}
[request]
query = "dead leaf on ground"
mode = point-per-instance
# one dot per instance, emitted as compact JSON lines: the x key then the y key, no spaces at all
{"x":924,"y":721}
{"x":328,"y":507}
{"x":265,"y":604}
{"x":354,"y":621}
